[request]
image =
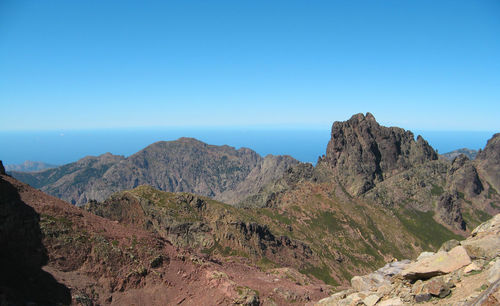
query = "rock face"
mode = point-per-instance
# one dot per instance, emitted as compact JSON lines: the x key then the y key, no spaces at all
{"x":184,"y":165}
{"x":449,"y":210}
{"x":459,"y":275}
{"x":489,"y":161}
{"x":362,"y":152}
{"x":463,"y":176}
{"x":2,"y":169}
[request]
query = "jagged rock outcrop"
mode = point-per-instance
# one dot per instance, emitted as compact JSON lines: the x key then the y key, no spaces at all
{"x":362,"y":152}
{"x":489,"y":161}
{"x":463,"y":176}
{"x":2,"y":169}
{"x":448,"y":209}
{"x":460,"y":275}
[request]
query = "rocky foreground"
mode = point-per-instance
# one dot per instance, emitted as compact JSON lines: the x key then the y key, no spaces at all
{"x":460,"y":273}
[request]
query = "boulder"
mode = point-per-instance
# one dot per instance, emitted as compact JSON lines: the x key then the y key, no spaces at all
{"x":335,"y":298}
{"x":369,"y":282}
{"x":438,"y":264}
{"x":471,"y":268}
{"x":371,"y":300}
{"x":425,"y":255}
{"x":422,"y":297}
{"x":494,"y":271}
{"x":483,"y":248}
{"x":448,"y":245}
{"x":436,"y":287}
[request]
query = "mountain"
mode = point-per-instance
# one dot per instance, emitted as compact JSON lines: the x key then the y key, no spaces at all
{"x":54,"y":253}
{"x":29,"y":166}
{"x":310,"y":219}
{"x":184,"y":165}
{"x":471,"y":154}
{"x":378,"y":194}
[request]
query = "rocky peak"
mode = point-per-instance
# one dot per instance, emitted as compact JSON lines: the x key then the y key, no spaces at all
{"x":2,"y":169}
{"x":489,"y":161}
{"x":362,"y":152}
{"x":492,"y":149}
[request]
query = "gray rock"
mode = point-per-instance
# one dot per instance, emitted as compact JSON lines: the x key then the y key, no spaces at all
{"x":448,"y":245}
{"x":422,"y":297}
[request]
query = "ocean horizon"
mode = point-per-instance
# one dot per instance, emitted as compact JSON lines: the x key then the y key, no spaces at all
{"x":65,"y":146}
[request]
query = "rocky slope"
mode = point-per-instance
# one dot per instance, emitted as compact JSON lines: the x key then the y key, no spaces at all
{"x":460,"y":273}
{"x":29,"y":166}
{"x":184,"y":165}
{"x":56,"y":253}
{"x":471,"y":154}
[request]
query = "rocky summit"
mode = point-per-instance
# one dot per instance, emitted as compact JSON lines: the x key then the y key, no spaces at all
{"x":362,"y":152}
{"x":466,"y":274}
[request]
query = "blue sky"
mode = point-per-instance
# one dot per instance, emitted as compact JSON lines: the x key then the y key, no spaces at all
{"x":111,"y":64}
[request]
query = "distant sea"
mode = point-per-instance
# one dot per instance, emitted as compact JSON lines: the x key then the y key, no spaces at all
{"x":60,"y":147}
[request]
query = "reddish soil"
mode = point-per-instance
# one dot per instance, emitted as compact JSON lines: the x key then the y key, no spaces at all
{"x":104,"y":262}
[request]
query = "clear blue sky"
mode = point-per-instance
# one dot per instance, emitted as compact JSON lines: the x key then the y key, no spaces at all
{"x":110,"y":64}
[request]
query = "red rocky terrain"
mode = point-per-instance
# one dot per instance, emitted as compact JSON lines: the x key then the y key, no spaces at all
{"x":56,"y":253}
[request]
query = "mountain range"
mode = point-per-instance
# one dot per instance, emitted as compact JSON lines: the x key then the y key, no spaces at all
{"x":378,"y":194}
{"x":29,"y":166}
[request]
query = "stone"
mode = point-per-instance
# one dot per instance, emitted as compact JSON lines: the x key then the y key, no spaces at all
{"x":492,"y":225}
{"x":417,"y":287}
{"x":494,"y":272}
{"x":438,"y":264}
{"x":369,"y":282}
{"x":422,"y":297}
{"x":425,"y":255}
{"x":371,"y":300}
{"x":391,"y":302}
{"x":436,"y":287}
{"x":393,"y":268}
{"x":448,"y":245}
{"x":471,"y":268}
{"x":335,"y":298}
{"x":486,"y":247}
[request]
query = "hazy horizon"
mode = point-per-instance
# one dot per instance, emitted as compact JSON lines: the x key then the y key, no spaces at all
{"x":64,"y":146}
